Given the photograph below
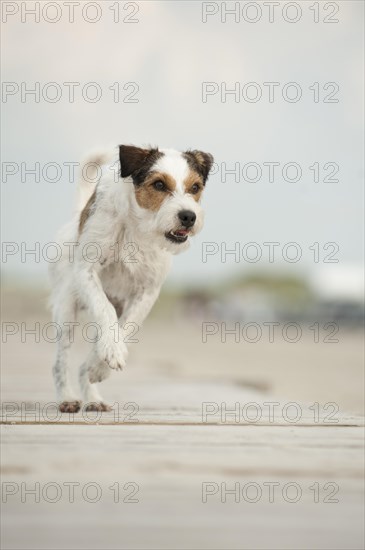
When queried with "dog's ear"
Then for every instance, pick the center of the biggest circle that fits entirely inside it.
(200, 161)
(131, 159)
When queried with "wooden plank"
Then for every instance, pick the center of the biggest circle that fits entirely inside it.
(194, 474)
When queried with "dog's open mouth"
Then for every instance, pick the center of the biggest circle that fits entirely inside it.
(178, 235)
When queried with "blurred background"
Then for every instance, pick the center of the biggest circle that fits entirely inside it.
(285, 171)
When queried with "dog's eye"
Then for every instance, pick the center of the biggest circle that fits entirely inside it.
(194, 189)
(159, 185)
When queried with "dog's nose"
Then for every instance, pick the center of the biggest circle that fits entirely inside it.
(187, 218)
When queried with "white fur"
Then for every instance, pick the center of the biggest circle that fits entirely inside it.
(174, 164)
(117, 225)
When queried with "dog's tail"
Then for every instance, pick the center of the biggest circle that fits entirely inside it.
(91, 171)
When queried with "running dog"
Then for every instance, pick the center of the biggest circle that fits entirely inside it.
(137, 207)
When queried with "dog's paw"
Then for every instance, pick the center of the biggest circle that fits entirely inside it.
(114, 355)
(70, 406)
(97, 406)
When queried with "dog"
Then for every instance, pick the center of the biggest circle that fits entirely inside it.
(137, 208)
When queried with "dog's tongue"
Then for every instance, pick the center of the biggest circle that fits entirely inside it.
(181, 232)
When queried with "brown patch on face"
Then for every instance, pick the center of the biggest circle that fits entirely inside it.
(86, 211)
(200, 162)
(189, 183)
(151, 198)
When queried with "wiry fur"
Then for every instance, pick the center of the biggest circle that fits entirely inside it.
(119, 276)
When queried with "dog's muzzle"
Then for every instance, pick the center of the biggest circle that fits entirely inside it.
(177, 235)
(187, 220)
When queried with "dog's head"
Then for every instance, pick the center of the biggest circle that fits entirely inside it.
(168, 186)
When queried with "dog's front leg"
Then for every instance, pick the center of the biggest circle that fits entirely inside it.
(110, 345)
(136, 311)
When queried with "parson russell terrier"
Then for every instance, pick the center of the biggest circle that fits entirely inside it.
(150, 204)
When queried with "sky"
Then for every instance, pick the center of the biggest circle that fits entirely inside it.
(293, 129)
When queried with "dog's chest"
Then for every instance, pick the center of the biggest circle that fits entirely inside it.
(133, 271)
